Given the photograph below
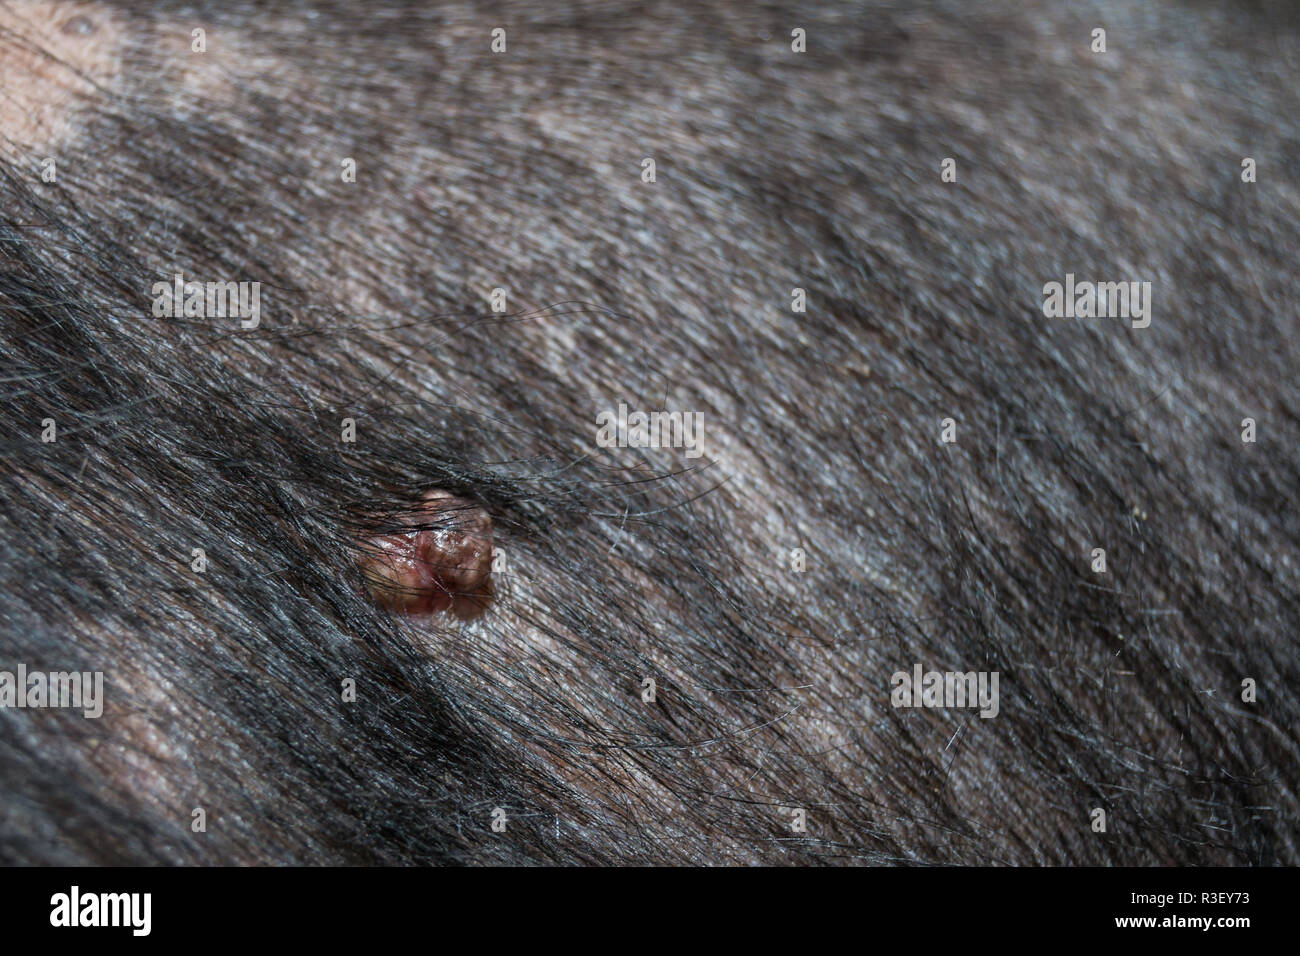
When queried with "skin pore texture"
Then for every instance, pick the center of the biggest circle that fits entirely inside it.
(827, 538)
(55, 58)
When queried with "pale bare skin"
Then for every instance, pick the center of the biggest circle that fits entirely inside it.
(52, 55)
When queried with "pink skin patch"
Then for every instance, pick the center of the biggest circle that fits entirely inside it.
(443, 563)
(56, 57)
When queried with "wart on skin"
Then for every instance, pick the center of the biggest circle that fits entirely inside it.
(443, 563)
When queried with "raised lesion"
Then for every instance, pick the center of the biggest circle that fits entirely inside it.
(434, 557)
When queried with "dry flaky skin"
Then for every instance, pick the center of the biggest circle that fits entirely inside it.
(522, 171)
(442, 566)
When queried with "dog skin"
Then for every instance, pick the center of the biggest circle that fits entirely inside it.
(366, 586)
